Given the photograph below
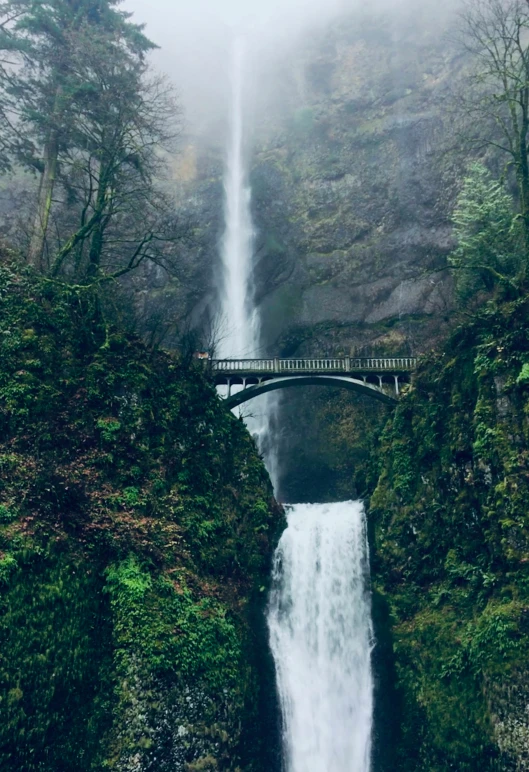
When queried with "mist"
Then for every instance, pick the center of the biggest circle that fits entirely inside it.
(194, 39)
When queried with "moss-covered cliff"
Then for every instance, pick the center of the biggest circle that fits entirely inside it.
(136, 527)
(451, 552)
(351, 192)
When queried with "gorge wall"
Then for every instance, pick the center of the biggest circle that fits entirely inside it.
(137, 526)
(352, 188)
(353, 175)
(450, 541)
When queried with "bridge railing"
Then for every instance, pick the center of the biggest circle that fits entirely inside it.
(312, 365)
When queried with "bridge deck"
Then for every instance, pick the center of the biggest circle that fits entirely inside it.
(313, 366)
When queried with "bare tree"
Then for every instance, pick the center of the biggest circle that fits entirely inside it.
(496, 34)
(118, 210)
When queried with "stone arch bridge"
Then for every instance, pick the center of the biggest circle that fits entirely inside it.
(376, 377)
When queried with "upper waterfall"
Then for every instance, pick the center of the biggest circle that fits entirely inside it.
(240, 329)
(239, 317)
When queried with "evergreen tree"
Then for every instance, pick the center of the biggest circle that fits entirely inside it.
(46, 90)
(489, 235)
(496, 34)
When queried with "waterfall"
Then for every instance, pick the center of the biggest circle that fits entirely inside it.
(240, 321)
(239, 318)
(321, 635)
(319, 611)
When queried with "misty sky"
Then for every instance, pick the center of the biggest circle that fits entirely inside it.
(166, 18)
(195, 36)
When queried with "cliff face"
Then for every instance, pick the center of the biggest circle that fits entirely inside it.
(351, 188)
(450, 539)
(136, 529)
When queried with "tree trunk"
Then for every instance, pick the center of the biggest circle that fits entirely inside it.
(45, 198)
(96, 242)
(523, 175)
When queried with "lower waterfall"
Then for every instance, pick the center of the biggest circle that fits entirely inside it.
(319, 620)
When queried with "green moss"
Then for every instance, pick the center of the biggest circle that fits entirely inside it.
(136, 528)
(55, 663)
(160, 622)
(451, 536)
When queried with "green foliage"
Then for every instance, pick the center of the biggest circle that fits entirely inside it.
(486, 642)
(8, 564)
(136, 524)
(92, 124)
(451, 538)
(523, 375)
(169, 631)
(7, 515)
(55, 683)
(488, 234)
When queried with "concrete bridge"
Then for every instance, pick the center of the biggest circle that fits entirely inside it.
(376, 377)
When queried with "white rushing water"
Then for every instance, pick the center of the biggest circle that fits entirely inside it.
(240, 324)
(319, 613)
(319, 620)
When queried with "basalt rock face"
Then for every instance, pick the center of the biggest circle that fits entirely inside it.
(351, 190)
(450, 543)
(351, 196)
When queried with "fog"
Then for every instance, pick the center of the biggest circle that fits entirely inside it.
(194, 37)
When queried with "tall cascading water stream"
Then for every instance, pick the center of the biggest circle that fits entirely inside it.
(239, 321)
(239, 334)
(319, 619)
(319, 611)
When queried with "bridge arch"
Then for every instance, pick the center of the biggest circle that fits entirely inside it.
(285, 382)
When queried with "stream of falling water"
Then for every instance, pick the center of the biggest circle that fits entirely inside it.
(240, 320)
(319, 620)
(319, 612)
(240, 323)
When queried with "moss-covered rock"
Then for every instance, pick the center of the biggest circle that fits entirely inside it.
(136, 528)
(451, 549)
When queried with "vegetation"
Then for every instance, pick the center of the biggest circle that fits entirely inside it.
(136, 518)
(451, 539)
(497, 95)
(490, 248)
(79, 109)
(136, 525)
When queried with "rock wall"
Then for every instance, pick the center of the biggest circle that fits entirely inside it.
(351, 192)
(352, 188)
(450, 539)
(353, 180)
(137, 525)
